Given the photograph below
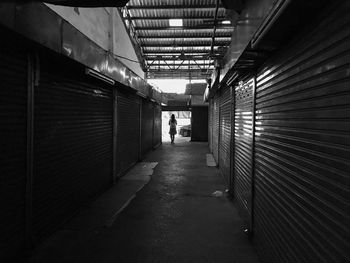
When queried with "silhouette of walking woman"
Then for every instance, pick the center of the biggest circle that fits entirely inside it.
(172, 124)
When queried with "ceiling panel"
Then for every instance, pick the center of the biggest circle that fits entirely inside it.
(191, 48)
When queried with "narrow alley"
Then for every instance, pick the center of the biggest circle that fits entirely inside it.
(174, 218)
(257, 93)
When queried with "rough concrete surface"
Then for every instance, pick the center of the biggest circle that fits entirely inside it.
(174, 218)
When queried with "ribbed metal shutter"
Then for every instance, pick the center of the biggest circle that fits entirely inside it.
(225, 133)
(243, 148)
(146, 127)
(302, 199)
(13, 132)
(199, 124)
(157, 130)
(210, 125)
(72, 142)
(216, 130)
(128, 134)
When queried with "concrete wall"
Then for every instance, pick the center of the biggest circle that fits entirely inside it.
(123, 46)
(105, 27)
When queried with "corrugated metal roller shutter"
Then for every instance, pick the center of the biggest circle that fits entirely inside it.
(157, 131)
(210, 125)
(72, 142)
(216, 130)
(147, 127)
(13, 132)
(225, 133)
(128, 134)
(243, 148)
(303, 147)
(199, 124)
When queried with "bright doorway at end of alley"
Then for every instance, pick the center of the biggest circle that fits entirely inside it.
(183, 119)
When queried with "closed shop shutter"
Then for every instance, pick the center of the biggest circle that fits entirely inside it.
(216, 116)
(72, 142)
(157, 131)
(210, 125)
(303, 147)
(147, 127)
(225, 133)
(13, 132)
(199, 124)
(128, 133)
(243, 148)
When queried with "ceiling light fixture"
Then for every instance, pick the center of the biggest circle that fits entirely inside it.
(226, 22)
(175, 22)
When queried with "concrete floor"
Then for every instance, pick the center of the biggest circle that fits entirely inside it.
(174, 218)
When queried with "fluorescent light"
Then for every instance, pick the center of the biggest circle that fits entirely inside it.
(175, 22)
(226, 22)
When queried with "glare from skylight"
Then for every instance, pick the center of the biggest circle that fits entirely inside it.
(175, 22)
(172, 85)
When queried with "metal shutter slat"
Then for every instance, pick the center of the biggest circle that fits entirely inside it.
(216, 128)
(303, 147)
(128, 134)
(225, 133)
(243, 148)
(13, 132)
(147, 127)
(157, 136)
(72, 143)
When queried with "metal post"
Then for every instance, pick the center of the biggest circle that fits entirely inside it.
(153, 129)
(232, 137)
(140, 131)
(115, 131)
(219, 135)
(31, 78)
(251, 227)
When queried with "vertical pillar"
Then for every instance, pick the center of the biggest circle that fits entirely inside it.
(161, 124)
(153, 128)
(140, 135)
(232, 137)
(115, 133)
(219, 135)
(32, 81)
(251, 227)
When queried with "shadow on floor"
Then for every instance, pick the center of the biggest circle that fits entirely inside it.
(174, 218)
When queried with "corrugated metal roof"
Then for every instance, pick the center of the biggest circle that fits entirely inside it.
(167, 49)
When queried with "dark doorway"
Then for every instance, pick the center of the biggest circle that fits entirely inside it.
(199, 123)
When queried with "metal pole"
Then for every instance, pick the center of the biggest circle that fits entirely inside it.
(115, 133)
(232, 137)
(140, 135)
(214, 30)
(251, 227)
(31, 74)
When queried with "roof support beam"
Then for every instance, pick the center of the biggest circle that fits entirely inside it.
(183, 37)
(140, 7)
(221, 18)
(162, 71)
(223, 44)
(181, 64)
(175, 52)
(201, 26)
(172, 57)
